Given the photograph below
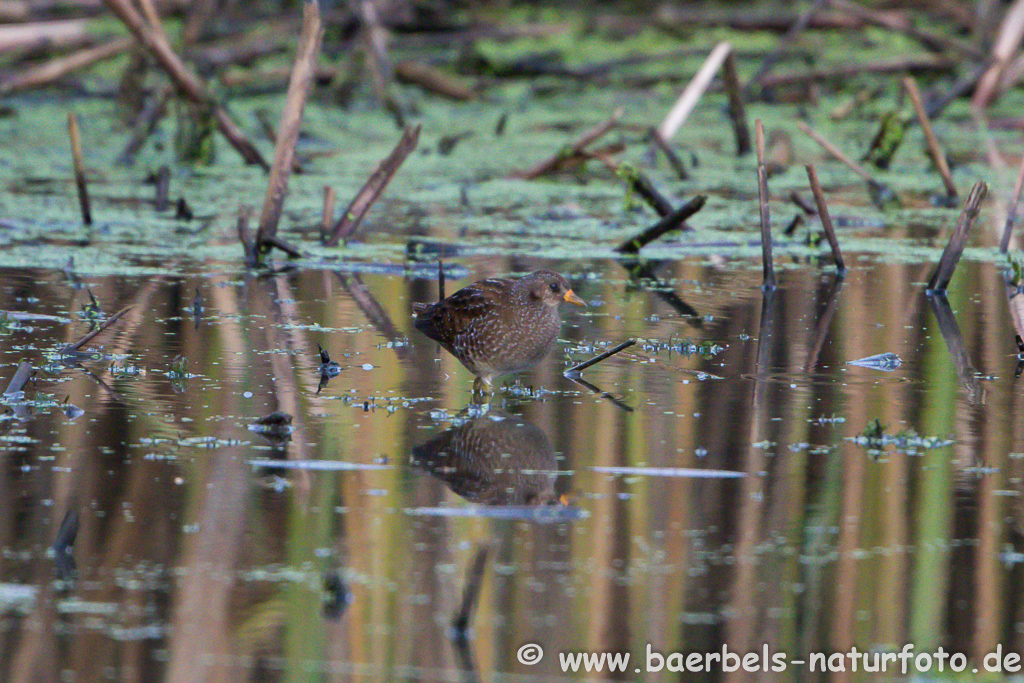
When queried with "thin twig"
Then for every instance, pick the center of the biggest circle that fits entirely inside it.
(836, 152)
(673, 159)
(576, 369)
(364, 199)
(939, 280)
(79, 164)
(1011, 211)
(939, 159)
(92, 335)
(673, 221)
(440, 280)
(291, 121)
(692, 92)
(826, 219)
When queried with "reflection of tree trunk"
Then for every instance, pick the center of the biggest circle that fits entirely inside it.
(201, 621)
(990, 585)
(286, 366)
(609, 631)
(746, 603)
(35, 658)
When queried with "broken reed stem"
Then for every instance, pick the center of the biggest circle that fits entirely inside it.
(291, 121)
(327, 214)
(759, 141)
(600, 357)
(910, 85)
(1011, 210)
(375, 184)
(191, 86)
(939, 280)
(92, 335)
(737, 111)
(55, 69)
(670, 222)
(79, 164)
(826, 218)
(673, 159)
(692, 92)
(837, 153)
(768, 265)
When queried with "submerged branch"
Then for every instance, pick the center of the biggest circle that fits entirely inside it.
(69, 348)
(576, 369)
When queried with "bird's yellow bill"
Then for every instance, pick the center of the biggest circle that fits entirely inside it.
(572, 298)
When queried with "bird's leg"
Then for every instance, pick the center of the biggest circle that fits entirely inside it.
(480, 389)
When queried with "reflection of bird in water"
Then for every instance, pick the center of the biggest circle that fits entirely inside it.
(499, 326)
(494, 460)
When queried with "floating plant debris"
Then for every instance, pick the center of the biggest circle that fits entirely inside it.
(322, 465)
(526, 513)
(671, 472)
(886, 362)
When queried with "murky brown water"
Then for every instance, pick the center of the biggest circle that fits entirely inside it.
(207, 551)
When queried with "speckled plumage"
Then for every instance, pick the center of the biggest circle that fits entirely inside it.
(499, 326)
(497, 459)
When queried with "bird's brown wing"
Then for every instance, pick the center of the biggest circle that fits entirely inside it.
(452, 317)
